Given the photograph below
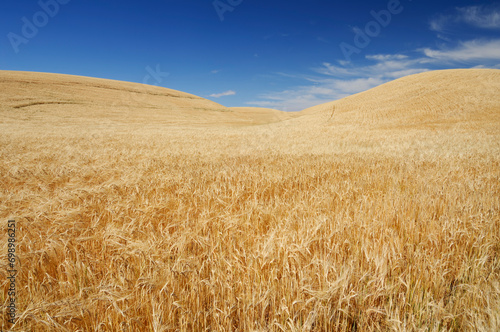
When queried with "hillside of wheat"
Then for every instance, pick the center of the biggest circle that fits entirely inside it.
(169, 212)
(58, 100)
(437, 98)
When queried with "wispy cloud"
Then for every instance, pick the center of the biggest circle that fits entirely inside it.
(386, 57)
(440, 23)
(481, 16)
(223, 94)
(323, 40)
(487, 67)
(468, 51)
(385, 65)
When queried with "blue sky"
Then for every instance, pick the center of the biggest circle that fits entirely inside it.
(287, 55)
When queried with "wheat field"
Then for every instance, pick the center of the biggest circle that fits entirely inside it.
(378, 212)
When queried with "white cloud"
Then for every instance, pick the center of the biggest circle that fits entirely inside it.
(468, 51)
(443, 37)
(385, 57)
(332, 70)
(487, 67)
(356, 85)
(484, 17)
(223, 94)
(386, 65)
(327, 90)
(481, 16)
(440, 23)
(215, 71)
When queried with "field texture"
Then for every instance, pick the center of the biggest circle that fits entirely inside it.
(344, 217)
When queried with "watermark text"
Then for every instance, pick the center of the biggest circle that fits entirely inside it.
(221, 7)
(30, 28)
(372, 29)
(11, 271)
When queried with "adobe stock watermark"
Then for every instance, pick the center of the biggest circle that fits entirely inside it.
(153, 77)
(222, 7)
(11, 272)
(363, 37)
(30, 28)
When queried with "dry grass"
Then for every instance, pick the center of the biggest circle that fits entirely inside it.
(437, 99)
(301, 225)
(259, 115)
(56, 100)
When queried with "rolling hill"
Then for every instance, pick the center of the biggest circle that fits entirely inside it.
(57, 99)
(438, 98)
